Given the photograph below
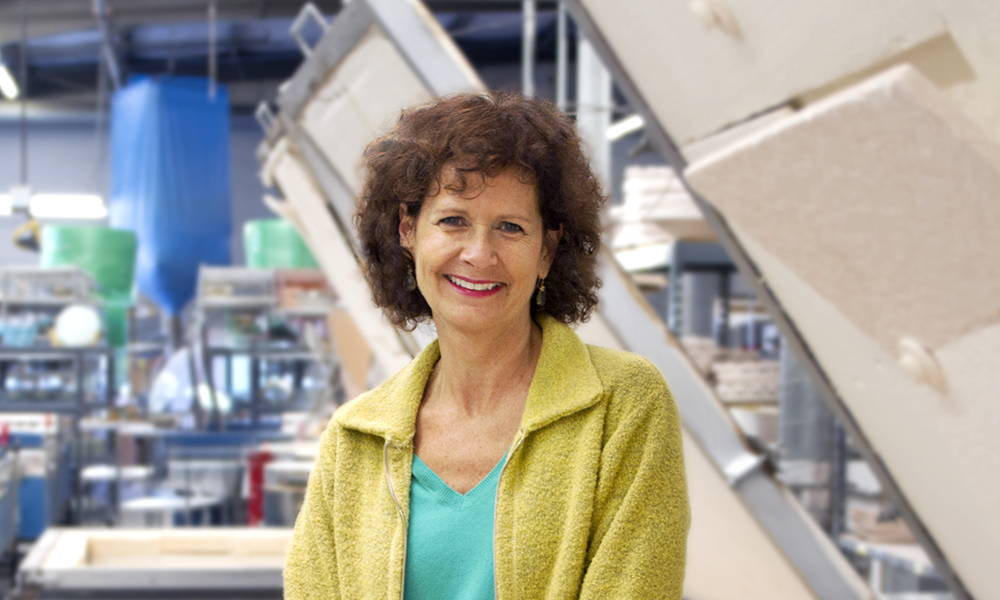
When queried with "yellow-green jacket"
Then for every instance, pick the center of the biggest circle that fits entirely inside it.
(591, 504)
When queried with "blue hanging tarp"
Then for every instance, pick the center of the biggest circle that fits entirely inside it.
(170, 181)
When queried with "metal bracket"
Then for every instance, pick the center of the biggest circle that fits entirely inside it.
(264, 116)
(308, 11)
(742, 467)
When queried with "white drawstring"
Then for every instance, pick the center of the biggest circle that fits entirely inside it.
(399, 508)
(388, 479)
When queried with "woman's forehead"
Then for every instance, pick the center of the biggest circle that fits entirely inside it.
(462, 174)
(506, 191)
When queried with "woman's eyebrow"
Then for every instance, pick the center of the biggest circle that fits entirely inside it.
(450, 207)
(514, 217)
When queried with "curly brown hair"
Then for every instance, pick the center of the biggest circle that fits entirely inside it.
(481, 134)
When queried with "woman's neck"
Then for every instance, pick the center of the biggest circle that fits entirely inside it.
(478, 373)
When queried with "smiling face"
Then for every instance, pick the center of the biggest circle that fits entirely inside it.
(478, 254)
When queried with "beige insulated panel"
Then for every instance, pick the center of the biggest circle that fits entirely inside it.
(873, 216)
(974, 25)
(359, 100)
(705, 64)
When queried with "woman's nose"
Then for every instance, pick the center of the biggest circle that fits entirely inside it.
(478, 248)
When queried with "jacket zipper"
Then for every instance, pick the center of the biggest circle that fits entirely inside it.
(496, 500)
(399, 509)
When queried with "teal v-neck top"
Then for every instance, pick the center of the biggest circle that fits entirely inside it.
(449, 548)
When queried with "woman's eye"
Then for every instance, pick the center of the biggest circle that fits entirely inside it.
(451, 221)
(508, 227)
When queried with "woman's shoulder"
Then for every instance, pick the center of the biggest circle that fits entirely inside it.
(624, 370)
(358, 404)
(388, 410)
(361, 413)
(632, 385)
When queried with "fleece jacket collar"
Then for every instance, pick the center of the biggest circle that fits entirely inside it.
(565, 382)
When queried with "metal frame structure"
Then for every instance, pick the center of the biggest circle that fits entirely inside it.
(622, 309)
(438, 71)
(664, 143)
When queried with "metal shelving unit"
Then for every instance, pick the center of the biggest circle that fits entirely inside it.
(41, 361)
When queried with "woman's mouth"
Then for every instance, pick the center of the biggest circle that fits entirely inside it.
(474, 288)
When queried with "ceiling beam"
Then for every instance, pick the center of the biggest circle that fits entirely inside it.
(57, 16)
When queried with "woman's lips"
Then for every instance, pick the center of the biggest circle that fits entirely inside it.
(470, 292)
(470, 280)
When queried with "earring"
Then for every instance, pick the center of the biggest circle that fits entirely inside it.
(411, 281)
(540, 296)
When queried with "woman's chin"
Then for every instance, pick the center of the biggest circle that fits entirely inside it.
(476, 320)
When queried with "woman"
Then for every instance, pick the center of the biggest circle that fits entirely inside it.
(509, 459)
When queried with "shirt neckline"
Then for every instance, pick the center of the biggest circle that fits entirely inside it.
(426, 476)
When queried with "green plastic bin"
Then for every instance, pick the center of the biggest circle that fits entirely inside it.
(275, 244)
(108, 255)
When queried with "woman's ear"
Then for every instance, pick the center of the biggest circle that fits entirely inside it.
(407, 227)
(549, 244)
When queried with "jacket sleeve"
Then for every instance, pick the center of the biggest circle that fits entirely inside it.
(311, 563)
(641, 514)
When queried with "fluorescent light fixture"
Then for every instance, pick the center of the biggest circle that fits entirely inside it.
(67, 206)
(16, 200)
(620, 129)
(20, 195)
(7, 84)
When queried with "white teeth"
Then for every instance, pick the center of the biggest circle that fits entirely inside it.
(479, 287)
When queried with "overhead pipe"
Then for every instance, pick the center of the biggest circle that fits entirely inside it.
(212, 58)
(103, 14)
(528, 48)
(562, 58)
